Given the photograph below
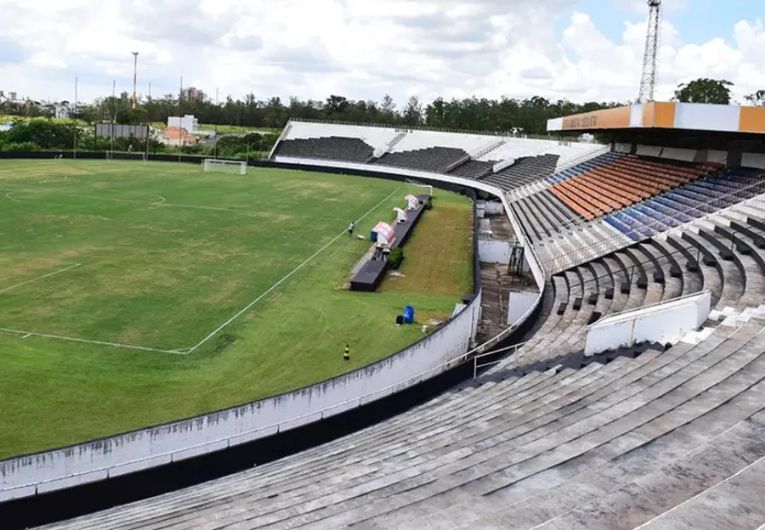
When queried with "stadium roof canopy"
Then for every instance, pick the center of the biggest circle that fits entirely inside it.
(671, 123)
(667, 115)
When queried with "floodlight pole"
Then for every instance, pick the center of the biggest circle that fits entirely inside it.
(114, 112)
(135, 77)
(648, 78)
(76, 129)
(181, 139)
(215, 145)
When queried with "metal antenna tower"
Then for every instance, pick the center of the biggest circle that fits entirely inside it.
(648, 80)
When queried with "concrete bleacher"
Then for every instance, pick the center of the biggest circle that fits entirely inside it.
(548, 437)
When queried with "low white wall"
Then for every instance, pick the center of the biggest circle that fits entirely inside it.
(648, 150)
(492, 251)
(663, 323)
(685, 155)
(518, 305)
(493, 208)
(720, 157)
(755, 160)
(142, 449)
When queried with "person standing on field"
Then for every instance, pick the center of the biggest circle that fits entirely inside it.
(351, 226)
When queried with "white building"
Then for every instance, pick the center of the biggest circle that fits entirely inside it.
(188, 122)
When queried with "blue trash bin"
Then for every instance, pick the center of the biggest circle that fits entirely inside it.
(373, 236)
(409, 315)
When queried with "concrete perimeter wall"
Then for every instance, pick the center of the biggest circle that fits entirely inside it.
(146, 448)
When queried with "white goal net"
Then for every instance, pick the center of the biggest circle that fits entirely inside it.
(216, 164)
(126, 155)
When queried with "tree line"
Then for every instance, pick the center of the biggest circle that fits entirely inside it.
(526, 116)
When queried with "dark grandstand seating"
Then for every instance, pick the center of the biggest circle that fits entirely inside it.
(330, 148)
(547, 437)
(623, 181)
(433, 159)
(542, 214)
(473, 169)
(523, 172)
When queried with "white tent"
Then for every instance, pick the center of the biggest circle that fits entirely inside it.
(385, 233)
(413, 202)
(400, 215)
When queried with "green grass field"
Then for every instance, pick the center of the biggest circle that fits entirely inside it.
(133, 294)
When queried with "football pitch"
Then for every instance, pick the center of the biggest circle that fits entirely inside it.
(137, 293)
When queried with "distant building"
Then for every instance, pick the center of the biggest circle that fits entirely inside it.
(191, 94)
(178, 136)
(63, 109)
(187, 122)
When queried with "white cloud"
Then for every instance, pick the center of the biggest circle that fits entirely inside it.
(359, 48)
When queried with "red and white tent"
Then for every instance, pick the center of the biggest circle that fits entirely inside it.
(400, 215)
(385, 233)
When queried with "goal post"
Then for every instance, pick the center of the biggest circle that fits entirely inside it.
(419, 184)
(126, 155)
(217, 164)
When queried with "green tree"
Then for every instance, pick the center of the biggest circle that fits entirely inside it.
(757, 99)
(413, 111)
(704, 90)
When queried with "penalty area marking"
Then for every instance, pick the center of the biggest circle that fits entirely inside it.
(26, 334)
(286, 277)
(49, 275)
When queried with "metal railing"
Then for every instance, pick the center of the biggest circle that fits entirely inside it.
(477, 365)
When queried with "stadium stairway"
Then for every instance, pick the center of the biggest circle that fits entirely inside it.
(547, 437)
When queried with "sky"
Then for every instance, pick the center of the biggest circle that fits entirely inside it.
(581, 50)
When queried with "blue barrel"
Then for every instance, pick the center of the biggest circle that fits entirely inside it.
(408, 315)
(373, 236)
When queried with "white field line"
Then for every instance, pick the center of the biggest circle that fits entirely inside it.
(50, 274)
(183, 351)
(161, 201)
(11, 197)
(26, 334)
(286, 277)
